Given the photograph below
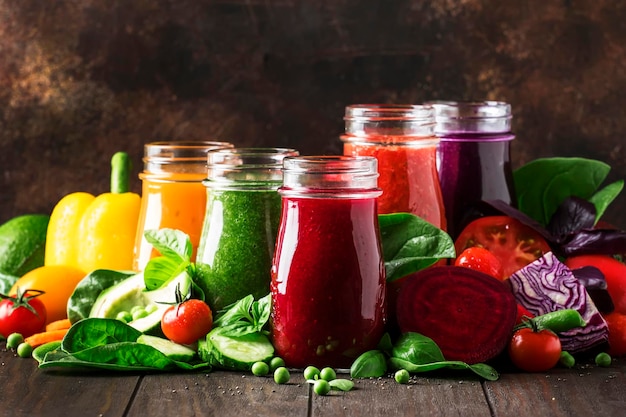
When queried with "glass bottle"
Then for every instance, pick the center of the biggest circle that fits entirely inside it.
(172, 192)
(402, 138)
(328, 277)
(241, 222)
(473, 156)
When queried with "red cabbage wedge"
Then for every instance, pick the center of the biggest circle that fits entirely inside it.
(547, 285)
(470, 315)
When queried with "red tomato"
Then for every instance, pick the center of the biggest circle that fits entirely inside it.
(521, 313)
(614, 272)
(617, 333)
(513, 243)
(480, 259)
(187, 322)
(533, 351)
(22, 313)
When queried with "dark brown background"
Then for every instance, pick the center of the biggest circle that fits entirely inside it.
(82, 79)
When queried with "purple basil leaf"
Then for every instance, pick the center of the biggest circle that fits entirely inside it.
(594, 282)
(590, 277)
(573, 214)
(594, 241)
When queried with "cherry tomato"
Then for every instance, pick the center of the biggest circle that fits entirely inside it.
(187, 322)
(534, 351)
(22, 313)
(480, 259)
(614, 272)
(617, 333)
(513, 243)
(522, 312)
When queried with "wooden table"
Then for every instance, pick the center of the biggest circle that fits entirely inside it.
(27, 391)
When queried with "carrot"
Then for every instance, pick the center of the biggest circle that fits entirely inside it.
(44, 337)
(58, 325)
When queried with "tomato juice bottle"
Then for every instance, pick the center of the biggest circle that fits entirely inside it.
(172, 192)
(242, 214)
(473, 157)
(328, 277)
(402, 139)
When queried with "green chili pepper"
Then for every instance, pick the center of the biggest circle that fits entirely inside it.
(557, 321)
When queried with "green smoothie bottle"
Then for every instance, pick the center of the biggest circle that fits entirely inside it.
(242, 214)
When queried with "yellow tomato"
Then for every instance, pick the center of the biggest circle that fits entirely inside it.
(57, 282)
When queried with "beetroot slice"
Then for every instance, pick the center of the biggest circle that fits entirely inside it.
(470, 315)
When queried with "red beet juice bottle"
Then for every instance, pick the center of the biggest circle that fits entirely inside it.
(328, 276)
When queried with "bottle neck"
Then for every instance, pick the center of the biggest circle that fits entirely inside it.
(460, 119)
(330, 177)
(396, 122)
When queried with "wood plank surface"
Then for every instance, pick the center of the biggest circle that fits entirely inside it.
(221, 394)
(587, 390)
(29, 392)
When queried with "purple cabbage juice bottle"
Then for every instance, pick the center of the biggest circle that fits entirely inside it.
(473, 157)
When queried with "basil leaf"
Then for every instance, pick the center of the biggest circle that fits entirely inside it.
(417, 349)
(370, 364)
(171, 243)
(410, 244)
(543, 184)
(161, 270)
(341, 384)
(605, 196)
(483, 370)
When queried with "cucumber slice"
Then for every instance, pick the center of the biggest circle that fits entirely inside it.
(236, 352)
(170, 349)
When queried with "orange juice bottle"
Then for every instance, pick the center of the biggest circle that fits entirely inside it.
(173, 195)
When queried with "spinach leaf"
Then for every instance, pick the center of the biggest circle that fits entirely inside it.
(410, 244)
(88, 289)
(605, 196)
(418, 353)
(93, 332)
(6, 282)
(543, 184)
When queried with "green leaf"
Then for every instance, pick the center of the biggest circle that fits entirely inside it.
(244, 316)
(171, 243)
(6, 282)
(161, 270)
(605, 196)
(483, 370)
(88, 289)
(417, 349)
(410, 244)
(92, 332)
(543, 184)
(385, 344)
(341, 384)
(370, 364)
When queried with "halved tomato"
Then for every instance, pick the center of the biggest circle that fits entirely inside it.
(513, 243)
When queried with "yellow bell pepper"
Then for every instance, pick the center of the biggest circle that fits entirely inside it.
(89, 232)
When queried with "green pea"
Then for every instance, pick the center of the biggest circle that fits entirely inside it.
(14, 340)
(567, 359)
(311, 372)
(124, 316)
(328, 374)
(402, 376)
(321, 387)
(260, 369)
(24, 350)
(138, 314)
(603, 359)
(151, 308)
(281, 375)
(276, 363)
(134, 309)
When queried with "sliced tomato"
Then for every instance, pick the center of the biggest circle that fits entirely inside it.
(614, 273)
(513, 243)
